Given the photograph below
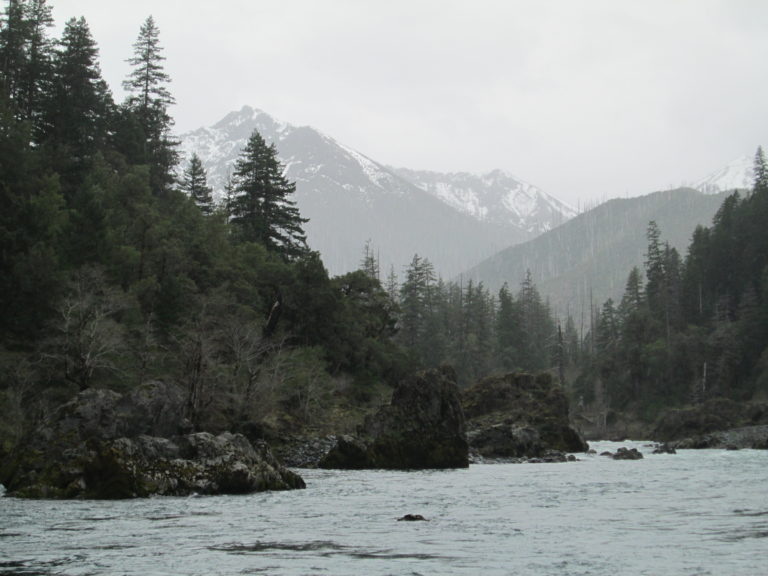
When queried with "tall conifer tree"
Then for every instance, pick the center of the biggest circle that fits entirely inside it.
(149, 101)
(262, 208)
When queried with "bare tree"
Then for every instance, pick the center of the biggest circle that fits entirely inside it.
(89, 338)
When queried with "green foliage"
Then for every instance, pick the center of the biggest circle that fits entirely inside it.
(262, 209)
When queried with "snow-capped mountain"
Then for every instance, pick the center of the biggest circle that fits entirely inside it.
(350, 199)
(497, 197)
(738, 174)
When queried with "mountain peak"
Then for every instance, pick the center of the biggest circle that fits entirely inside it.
(738, 174)
(497, 197)
(350, 198)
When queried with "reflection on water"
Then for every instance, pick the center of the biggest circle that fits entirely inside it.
(697, 512)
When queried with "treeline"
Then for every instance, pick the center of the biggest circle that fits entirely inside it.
(693, 328)
(117, 266)
(463, 324)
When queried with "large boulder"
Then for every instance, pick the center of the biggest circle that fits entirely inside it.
(519, 415)
(105, 445)
(422, 427)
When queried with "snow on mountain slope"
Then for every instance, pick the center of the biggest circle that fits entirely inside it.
(497, 197)
(736, 175)
(350, 199)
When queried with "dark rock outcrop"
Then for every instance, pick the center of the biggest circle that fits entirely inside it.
(755, 437)
(627, 454)
(421, 427)
(714, 415)
(519, 416)
(104, 445)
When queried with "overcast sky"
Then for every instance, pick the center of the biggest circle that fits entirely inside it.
(585, 99)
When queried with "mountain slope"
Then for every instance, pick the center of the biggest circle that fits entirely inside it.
(350, 199)
(496, 197)
(593, 253)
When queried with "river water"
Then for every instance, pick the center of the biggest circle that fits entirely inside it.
(696, 512)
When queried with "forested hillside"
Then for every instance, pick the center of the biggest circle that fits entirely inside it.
(117, 268)
(586, 259)
(689, 328)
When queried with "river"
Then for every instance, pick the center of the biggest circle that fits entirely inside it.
(693, 513)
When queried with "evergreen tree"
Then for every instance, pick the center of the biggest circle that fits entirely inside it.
(25, 56)
(370, 263)
(262, 209)
(195, 184)
(760, 171)
(79, 105)
(39, 52)
(416, 304)
(149, 101)
(507, 330)
(13, 38)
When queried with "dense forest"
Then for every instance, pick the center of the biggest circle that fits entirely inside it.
(689, 328)
(118, 266)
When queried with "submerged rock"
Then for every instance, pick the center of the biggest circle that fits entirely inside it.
(422, 427)
(519, 416)
(104, 445)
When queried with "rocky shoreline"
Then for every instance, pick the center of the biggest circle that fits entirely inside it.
(105, 445)
(102, 444)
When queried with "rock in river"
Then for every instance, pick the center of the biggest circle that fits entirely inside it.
(105, 445)
(421, 427)
(519, 415)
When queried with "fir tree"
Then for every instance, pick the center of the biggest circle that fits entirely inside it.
(25, 56)
(195, 185)
(262, 209)
(79, 105)
(149, 101)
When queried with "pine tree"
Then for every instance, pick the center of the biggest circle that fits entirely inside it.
(262, 209)
(39, 52)
(195, 184)
(25, 56)
(79, 104)
(149, 101)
